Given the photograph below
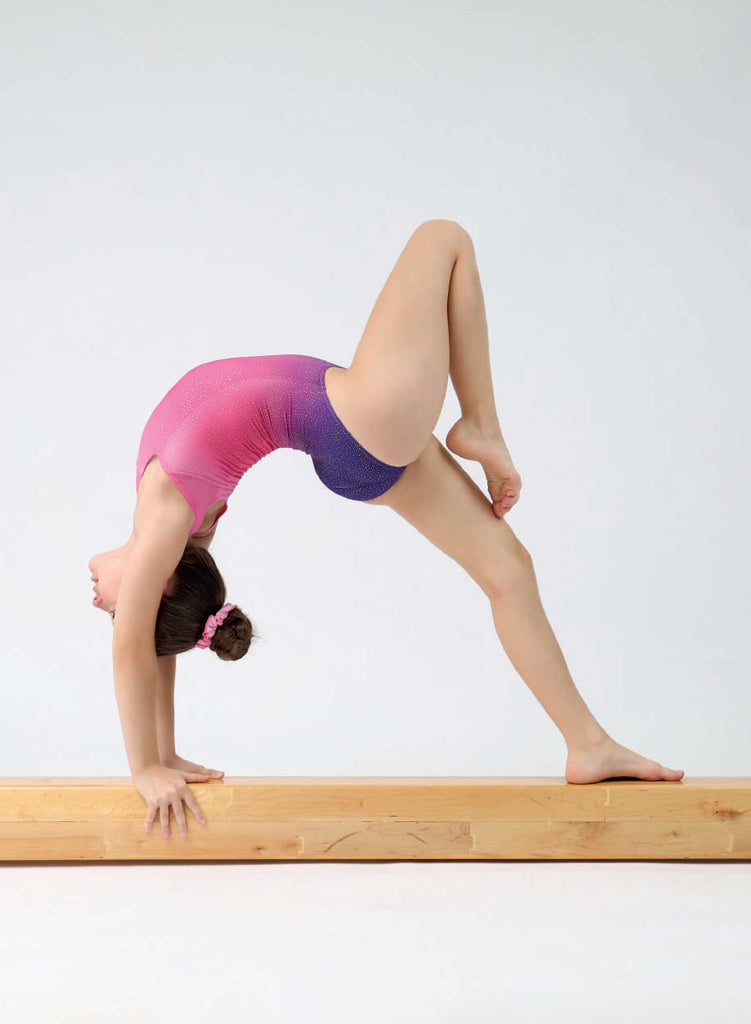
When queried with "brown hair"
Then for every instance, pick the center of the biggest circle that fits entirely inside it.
(197, 590)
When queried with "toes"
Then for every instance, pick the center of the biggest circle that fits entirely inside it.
(503, 499)
(502, 506)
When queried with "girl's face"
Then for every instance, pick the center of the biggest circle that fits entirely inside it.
(106, 573)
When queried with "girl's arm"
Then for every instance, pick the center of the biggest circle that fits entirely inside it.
(165, 707)
(165, 721)
(135, 688)
(165, 691)
(159, 544)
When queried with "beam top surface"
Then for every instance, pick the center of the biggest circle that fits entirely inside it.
(739, 781)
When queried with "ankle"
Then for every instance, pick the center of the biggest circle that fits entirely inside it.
(486, 427)
(589, 739)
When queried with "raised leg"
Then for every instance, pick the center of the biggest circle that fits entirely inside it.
(391, 395)
(477, 434)
(469, 354)
(427, 323)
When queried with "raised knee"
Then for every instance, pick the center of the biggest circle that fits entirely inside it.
(446, 227)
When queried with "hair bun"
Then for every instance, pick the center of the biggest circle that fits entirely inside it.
(233, 637)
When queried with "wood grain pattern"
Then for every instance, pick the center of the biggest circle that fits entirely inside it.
(56, 818)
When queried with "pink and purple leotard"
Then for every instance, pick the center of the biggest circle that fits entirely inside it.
(221, 417)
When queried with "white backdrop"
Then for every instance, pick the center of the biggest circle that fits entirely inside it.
(190, 181)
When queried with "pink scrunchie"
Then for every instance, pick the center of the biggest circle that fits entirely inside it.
(212, 624)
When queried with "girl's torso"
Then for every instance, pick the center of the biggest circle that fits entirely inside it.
(221, 418)
(154, 476)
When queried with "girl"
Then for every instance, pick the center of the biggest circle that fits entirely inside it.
(368, 429)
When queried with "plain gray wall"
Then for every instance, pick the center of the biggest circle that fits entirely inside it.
(190, 181)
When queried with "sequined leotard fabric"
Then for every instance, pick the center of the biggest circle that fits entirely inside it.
(221, 417)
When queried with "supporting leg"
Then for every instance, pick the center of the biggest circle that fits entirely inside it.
(528, 639)
(533, 650)
(439, 498)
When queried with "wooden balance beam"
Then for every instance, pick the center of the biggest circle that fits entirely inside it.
(382, 818)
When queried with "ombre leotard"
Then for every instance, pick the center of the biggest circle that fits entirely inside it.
(221, 417)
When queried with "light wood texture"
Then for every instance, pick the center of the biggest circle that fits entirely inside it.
(382, 818)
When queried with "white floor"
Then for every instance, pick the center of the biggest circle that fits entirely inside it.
(393, 943)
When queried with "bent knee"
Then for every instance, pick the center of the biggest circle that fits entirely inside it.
(450, 228)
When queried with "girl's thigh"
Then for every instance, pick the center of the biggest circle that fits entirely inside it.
(441, 500)
(391, 395)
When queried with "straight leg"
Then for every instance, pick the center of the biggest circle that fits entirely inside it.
(528, 640)
(439, 498)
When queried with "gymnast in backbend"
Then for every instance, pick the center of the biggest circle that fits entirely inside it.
(368, 429)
